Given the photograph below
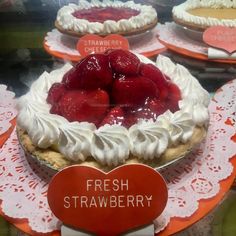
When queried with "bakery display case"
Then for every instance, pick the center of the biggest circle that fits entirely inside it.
(105, 90)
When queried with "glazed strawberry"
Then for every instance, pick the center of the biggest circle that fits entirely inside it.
(91, 73)
(82, 105)
(150, 110)
(114, 117)
(157, 107)
(143, 112)
(55, 92)
(55, 109)
(70, 79)
(174, 95)
(152, 72)
(130, 119)
(133, 91)
(124, 62)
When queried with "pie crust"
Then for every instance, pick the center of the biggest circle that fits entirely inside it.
(131, 32)
(56, 161)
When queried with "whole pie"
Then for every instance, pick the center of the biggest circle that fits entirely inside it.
(202, 14)
(107, 17)
(111, 109)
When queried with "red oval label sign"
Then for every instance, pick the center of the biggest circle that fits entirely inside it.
(92, 43)
(221, 37)
(107, 203)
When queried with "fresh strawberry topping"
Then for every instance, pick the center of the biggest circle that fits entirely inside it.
(101, 14)
(133, 91)
(70, 79)
(153, 73)
(91, 73)
(124, 62)
(130, 119)
(114, 117)
(150, 110)
(174, 95)
(157, 107)
(55, 109)
(140, 113)
(83, 105)
(55, 93)
(113, 88)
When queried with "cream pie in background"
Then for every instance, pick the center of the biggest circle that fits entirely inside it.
(201, 14)
(105, 17)
(111, 109)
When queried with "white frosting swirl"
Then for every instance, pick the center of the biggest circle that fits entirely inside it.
(75, 139)
(191, 88)
(198, 111)
(147, 15)
(181, 12)
(41, 127)
(112, 144)
(148, 139)
(179, 125)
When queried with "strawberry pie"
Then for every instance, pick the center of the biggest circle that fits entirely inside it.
(111, 109)
(107, 17)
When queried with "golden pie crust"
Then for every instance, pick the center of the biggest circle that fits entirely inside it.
(217, 13)
(56, 161)
(123, 33)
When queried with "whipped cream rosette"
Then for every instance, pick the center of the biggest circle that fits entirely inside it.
(153, 125)
(105, 17)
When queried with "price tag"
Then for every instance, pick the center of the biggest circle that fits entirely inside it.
(111, 203)
(92, 43)
(221, 37)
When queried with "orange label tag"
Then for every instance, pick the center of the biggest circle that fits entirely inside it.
(221, 37)
(107, 203)
(92, 43)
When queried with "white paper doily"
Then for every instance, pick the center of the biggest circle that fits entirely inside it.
(7, 111)
(172, 34)
(66, 44)
(23, 192)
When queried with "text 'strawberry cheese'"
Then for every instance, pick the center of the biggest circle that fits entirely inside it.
(105, 17)
(111, 109)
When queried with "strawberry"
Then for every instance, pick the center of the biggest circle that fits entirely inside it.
(157, 107)
(168, 91)
(70, 79)
(90, 73)
(174, 95)
(82, 105)
(150, 110)
(124, 62)
(55, 92)
(55, 109)
(133, 91)
(114, 117)
(142, 113)
(118, 76)
(153, 73)
(130, 119)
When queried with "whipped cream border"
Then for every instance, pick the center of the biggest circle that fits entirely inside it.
(181, 13)
(112, 144)
(67, 21)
